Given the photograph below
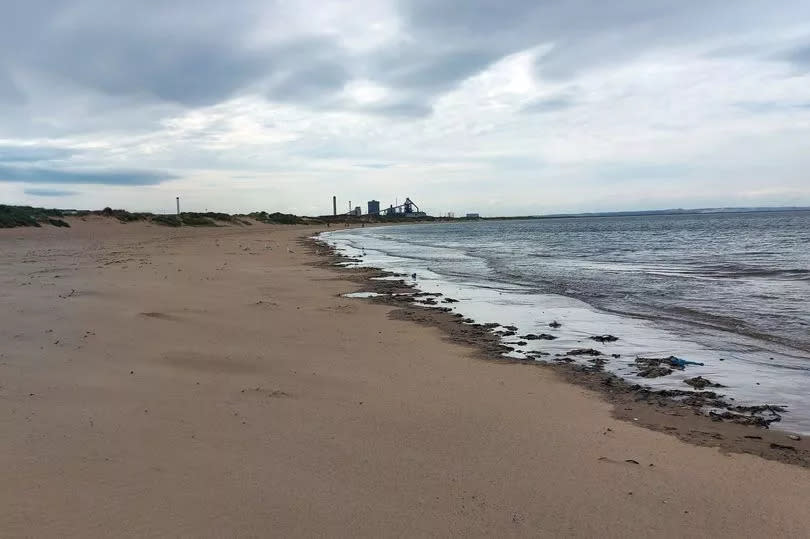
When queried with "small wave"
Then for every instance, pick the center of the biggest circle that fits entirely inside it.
(732, 271)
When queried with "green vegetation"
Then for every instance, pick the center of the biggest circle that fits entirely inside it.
(14, 216)
(277, 218)
(196, 219)
(123, 215)
(167, 220)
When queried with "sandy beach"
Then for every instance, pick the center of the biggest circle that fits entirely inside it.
(213, 382)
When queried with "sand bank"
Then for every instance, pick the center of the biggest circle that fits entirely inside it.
(214, 382)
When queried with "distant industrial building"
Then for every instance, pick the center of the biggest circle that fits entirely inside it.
(473, 216)
(406, 209)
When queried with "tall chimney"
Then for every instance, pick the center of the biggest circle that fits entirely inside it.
(334, 205)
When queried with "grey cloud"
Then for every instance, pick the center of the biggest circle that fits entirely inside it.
(403, 109)
(589, 33)
(51, 175)
(420, 74)
(428, 69)
(24, 154)
(9, 93)
(192, 73)
(49, 192)
(800, 56)
(550, 104)
(193, 52)
(313, 82)
(127, 64)
(187, 52)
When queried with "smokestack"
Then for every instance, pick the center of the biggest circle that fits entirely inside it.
(334, 205)
(178, 205)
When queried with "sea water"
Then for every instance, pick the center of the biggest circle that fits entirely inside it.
(728, 290)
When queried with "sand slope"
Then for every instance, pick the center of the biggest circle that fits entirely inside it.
(209, 382)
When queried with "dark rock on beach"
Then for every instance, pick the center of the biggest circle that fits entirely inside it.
(542, 336)
(698, 382)
(654, 372)
(598, 363)
(564, 359)
(604, 338)
(652, 367)
(584, 352)
(742, 419)
(762, 408)
(554, 324)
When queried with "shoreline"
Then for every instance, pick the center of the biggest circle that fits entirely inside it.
(653, 409)
(216, 382)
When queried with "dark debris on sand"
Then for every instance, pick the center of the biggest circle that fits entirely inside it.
(535, 337)
(604, 338)
(584, 352)
(653, 367)
(698, 382)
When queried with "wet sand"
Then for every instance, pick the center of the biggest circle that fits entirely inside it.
(213, 382)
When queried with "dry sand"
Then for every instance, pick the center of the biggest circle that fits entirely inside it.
(211, 383)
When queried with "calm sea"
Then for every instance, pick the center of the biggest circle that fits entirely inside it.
(728, 286)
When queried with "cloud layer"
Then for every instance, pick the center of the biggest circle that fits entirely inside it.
(464, 105)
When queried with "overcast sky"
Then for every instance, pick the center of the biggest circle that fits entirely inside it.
(499, 107)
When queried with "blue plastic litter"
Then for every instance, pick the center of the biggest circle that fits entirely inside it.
(683, 362)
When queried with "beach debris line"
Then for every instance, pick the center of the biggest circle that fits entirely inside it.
(584, 352)
(535, 337)
(652, 367)
(604, 338)
(698, 382)
(760, 415)
(654, 372)
(592, 363)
